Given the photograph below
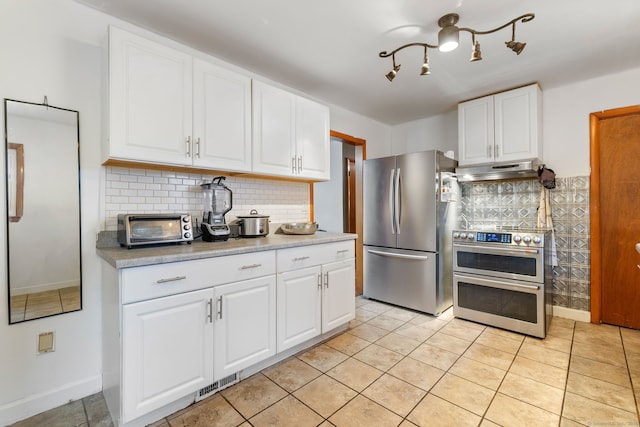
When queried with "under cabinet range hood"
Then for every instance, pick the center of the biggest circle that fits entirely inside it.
(499, 171)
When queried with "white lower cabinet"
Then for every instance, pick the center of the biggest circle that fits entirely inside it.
(167, 348)
(338, 294)
(244, 325)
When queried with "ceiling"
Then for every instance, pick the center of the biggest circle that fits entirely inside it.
(329, 48)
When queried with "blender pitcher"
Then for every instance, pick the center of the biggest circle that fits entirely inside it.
(217, 200)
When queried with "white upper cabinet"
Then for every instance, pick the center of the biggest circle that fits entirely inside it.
(169, 107)
(290, 134)
(500, 128)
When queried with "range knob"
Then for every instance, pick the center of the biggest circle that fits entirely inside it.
(463, 235)
(537, 239)
(186, 227)
(456, 234)
(517, 239)
(471, 236)
(526, 239)
(185, 219)
(187, 235)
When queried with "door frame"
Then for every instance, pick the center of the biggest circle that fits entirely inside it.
(360, 155)
(594, 204)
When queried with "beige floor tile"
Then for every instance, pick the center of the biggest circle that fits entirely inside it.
(506, 334)
(563, 322)
(598, 334)
(599, 353)
(432, 323)
(545, 355)
(486, 423)
(160, 423)
(461, 331)
(347, 343)
(362, 412)
(507, 411)
(70, 298)
(214, 411)
(490, 356)
(288, 412)
(448, 342)
(533, 392)
(499, 342)
(69, 414)
(253, 394)
(559, 331)
(18, 308)
(436, 412)
(464, 393)
(417, 332)
(551, 342)
(364, 315)
(601, 391)
(633, 362)
(434, 356)
(592, 413)
(479, 373)
(368, 332)
(355, 374)
(325, 395)
(42, 304)
(468, 324)
(566, 422)
(401, 314)
(376, 307)
(291, 374)
(378, 357)
(394, 394)
(417, 373)
(322, 357)
(631, 339)
(447, 315)
(406, 423)
(546, 374)
(602, 371)
(384, 321)
(398, 343)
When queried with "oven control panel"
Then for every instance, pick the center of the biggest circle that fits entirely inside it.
(495, 237)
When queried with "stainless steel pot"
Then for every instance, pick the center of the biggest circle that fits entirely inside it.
(253, 225)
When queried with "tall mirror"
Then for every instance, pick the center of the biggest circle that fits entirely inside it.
(43, 210)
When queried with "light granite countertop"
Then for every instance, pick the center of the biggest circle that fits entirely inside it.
(123, 258)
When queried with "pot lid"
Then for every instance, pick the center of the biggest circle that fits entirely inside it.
(253, 214)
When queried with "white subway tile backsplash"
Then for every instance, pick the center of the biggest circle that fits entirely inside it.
(151, 191)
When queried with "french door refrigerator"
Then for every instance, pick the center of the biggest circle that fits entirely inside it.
(409, 212)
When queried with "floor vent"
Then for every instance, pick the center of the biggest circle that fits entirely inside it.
(207, 391)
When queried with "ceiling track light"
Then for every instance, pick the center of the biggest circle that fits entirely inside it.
(449, 39)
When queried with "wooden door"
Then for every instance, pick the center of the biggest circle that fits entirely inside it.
(615, 211)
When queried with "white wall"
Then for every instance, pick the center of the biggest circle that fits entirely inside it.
(438, 132)
(377, 135)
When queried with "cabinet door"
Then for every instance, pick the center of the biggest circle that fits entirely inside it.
(475, 131)
(221, 118)
(339, 294)
(516, 124)
(244, 324)
(273, 130)
(150, 111)
(167, 350)
(312, 139)
(299, 306)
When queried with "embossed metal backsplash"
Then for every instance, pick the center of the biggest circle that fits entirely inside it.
(515, 204)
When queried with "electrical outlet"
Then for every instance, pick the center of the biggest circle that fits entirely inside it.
(46, 342)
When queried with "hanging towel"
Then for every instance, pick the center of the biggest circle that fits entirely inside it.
(546, 222)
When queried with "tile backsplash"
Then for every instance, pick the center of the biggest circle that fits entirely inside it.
(515, 204)
(130, 190)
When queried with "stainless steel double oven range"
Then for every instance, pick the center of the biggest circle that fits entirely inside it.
(503, 279)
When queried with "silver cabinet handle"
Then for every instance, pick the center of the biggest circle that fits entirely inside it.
(210, 310)
(188, 142)
(171, 279)
(293, 165)
(220, 307)
(299, 164)
(343, 251)
(302, 258)
(326, 279)
(319, 281)
(497, 151)
(248, 267)
(198, 147)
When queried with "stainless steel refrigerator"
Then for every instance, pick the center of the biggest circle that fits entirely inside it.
(409, 214)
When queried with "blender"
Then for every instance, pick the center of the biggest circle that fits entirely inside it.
(216, 202)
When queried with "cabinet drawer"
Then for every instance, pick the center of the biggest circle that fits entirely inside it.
(307, 256)
(154, 281)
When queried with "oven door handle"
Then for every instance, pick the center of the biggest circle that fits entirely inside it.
(493, 283)
(394, 255)
(486, 249)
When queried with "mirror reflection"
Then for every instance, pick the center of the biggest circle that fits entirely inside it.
(43, 210)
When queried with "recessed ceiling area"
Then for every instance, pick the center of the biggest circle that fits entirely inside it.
(329, 49)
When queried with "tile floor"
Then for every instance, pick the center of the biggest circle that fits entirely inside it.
(46, 303)
(395, 367)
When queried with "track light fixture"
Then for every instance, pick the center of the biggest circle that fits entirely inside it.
(449, 38)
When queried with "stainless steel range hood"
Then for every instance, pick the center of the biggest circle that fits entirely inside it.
(499, 171)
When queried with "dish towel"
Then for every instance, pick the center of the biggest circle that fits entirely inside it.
(545, 221)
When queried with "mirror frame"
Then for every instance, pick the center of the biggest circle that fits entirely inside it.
(20, 198)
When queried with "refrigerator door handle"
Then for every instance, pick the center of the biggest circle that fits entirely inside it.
(391, 205)
(398, 201)
(394, 255)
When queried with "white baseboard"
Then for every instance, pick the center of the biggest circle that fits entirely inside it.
(573, 314)
(32, 405)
